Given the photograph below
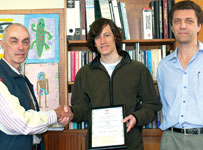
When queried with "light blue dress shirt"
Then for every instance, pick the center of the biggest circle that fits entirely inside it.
(181, 91)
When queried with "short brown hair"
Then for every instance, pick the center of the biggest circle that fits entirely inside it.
(187, 5)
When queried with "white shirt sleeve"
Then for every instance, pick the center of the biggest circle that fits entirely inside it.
(15, 120)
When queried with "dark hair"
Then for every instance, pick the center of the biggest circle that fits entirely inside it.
(96, 28)
(187, 5)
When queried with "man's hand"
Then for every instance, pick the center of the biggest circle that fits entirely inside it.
(130, 122)
(64, 114)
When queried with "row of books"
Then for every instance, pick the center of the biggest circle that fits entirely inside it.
(155, 123)
(76, 125)
(82, 13)
(77, 59)
(155, 20)
(151, 59)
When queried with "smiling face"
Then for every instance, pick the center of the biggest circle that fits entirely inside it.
(185, 26)
(16, 44)
(105, 42)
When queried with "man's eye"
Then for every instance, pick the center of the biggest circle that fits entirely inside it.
(14, 42)
(190, 21)
(26, 43)
(97, 37)
(176, 21)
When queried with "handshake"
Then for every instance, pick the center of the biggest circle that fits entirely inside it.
(64, 114)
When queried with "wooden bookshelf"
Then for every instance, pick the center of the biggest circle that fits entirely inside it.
(75, 139)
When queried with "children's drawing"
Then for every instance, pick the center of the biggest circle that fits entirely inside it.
(42, 88)
(40, 40)
(44, 36)
(45, 80)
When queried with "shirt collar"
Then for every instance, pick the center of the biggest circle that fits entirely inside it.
(14, 69)
(174, 55)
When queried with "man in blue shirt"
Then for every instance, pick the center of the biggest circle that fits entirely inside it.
(180, 82)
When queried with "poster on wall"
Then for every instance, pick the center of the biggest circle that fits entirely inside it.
(45, 79)
(44, 36)
(6, 20)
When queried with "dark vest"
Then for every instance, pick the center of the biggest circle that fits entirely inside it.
(16, 85)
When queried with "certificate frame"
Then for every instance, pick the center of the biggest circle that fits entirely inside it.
(107, 130)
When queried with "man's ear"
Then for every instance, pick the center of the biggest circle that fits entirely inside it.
(199, 27)
(2, 43)
(172, 28)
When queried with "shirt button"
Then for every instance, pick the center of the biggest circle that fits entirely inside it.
(184, 87)
(183, 101)
(185, 72)
(182, 115)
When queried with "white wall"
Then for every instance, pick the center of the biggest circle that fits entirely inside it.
(31, 4)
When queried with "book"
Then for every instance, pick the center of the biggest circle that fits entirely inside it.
(149, 61)
(151, 5)
(123, 13)
(90, 13)
(155, 59)
(111, 10)
(156, 19)
(70, 16)
(97, 10)
(105, 9)
(137, 51)
(116, 13)
(170, 4)
(73, 65)
(56, 127)
(147, 23)
(163, 49)
(83, 20)
(77, 34)
(165, 19)
(69, 65)
(160, 19)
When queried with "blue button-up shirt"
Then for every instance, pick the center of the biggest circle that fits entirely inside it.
(181, 91)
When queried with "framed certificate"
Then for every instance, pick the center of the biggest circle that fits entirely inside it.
(106, 128)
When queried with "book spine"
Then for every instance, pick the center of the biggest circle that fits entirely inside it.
(151, 4)
(121, 19)
(125, 21)
(90, 13)
(147, 23)
(149, 61)
(72, 65)
(105, 10)
(165, 18)
(82, 19)
(69, 65)
(170, 4)
(156, 19)
(71, 16)
(160, 20)
(116, 13)
(77, 35)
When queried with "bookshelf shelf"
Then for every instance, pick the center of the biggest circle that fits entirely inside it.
(130, 44)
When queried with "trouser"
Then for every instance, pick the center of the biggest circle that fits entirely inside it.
(171, 140)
